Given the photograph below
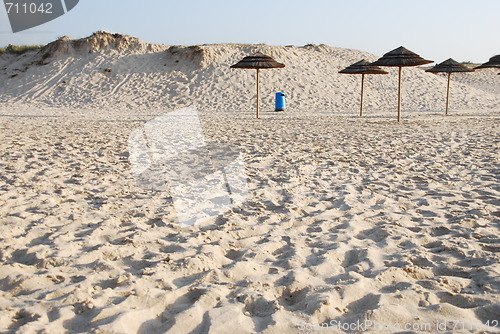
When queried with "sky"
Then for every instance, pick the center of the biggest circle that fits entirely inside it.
(464, 30)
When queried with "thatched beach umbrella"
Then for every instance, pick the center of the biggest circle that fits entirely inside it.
(449, 66)
(258, 61)
(362, 67)
(494, 62)
(398, 58)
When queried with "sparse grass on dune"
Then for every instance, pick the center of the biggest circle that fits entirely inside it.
(19, 49)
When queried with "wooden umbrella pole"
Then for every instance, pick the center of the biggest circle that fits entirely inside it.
(399, 95)
(257, 93)
(448, 92)
(362, 89)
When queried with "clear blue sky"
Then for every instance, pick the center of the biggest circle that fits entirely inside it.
(435, 29)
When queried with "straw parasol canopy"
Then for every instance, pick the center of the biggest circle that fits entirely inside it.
(494, 62)
(362, 67)
(449, 66)
(258, 61)
(400, 57)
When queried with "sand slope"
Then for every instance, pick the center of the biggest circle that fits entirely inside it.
(113, 71)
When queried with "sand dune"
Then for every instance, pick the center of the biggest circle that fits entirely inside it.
(349, 224)
(114, 71)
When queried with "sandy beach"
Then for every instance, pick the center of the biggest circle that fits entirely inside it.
(348, 224)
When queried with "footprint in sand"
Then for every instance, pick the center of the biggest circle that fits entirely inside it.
(260, 306)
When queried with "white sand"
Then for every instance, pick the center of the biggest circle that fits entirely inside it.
(347, 219)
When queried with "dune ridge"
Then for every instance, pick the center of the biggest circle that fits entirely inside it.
(116, 71)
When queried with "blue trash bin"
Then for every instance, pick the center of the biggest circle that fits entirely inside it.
(280, 101)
